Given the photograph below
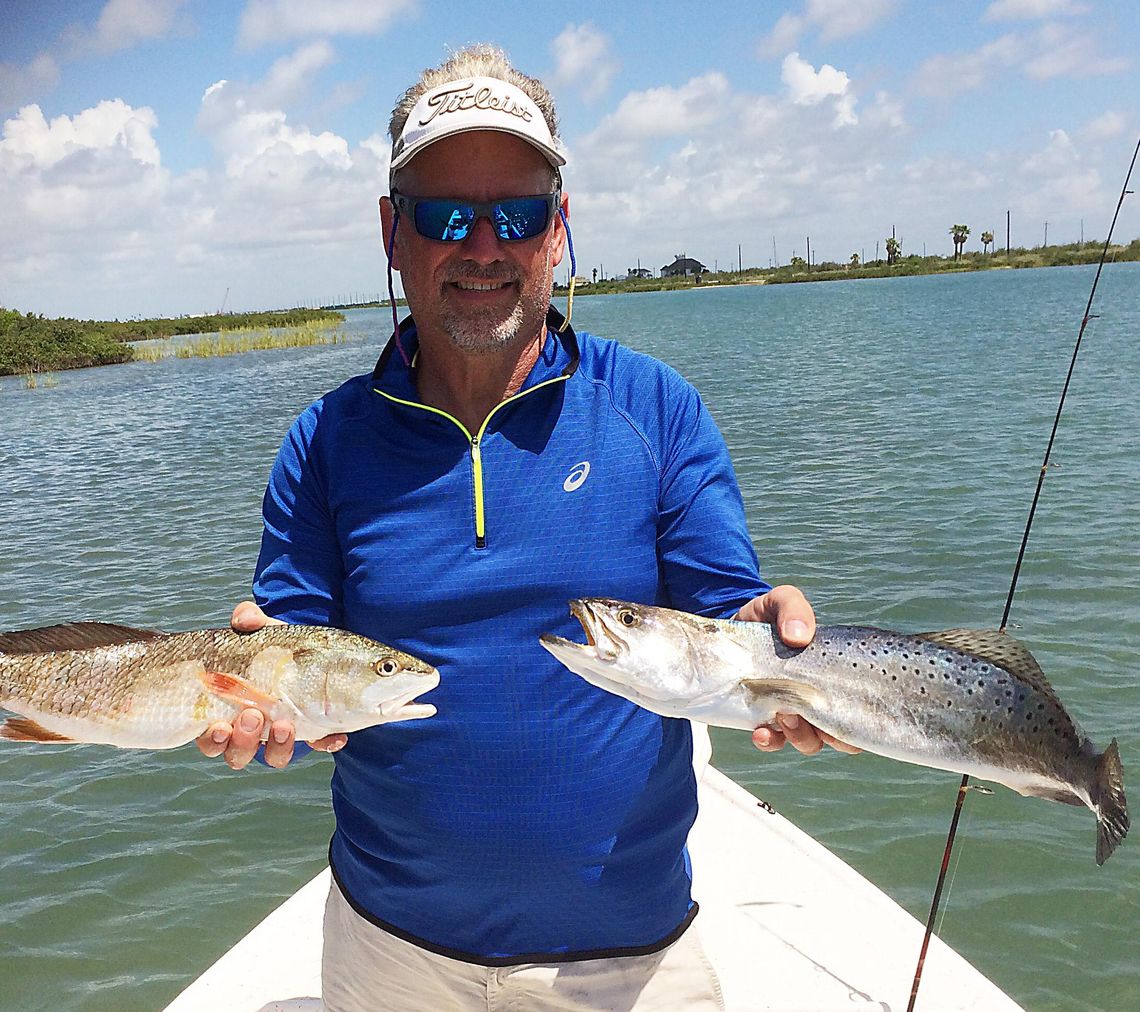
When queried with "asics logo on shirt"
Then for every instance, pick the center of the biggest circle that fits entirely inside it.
(578, 474)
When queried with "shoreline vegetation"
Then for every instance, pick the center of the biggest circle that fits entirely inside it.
(32, 344)
(798, 271)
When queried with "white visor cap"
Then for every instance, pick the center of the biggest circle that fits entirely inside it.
(476, 103)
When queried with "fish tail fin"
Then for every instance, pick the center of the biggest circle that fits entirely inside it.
(1111, 808)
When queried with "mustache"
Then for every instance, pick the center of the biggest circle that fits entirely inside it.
(468, 270)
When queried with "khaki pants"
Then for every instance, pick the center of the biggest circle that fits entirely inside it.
(366, 969)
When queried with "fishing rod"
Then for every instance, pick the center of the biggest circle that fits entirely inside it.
(965, 785)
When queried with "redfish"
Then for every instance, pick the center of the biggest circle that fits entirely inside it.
(97, 683)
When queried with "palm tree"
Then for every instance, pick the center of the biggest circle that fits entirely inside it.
(960, 234)
(894, 249)
(987, 241)
(854, 259)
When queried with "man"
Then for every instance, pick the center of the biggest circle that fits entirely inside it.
(525, 846)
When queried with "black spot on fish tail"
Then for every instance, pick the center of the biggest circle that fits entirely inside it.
(1111, 806)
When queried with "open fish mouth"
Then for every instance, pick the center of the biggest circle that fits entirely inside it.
(589, 622)
(402, 707)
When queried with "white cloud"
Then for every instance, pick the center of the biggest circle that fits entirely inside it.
(838, 19)
(784, 36)
(1045, 52)
(1062, 52)
(583, 59)
(99, 226)
(111, 127)
(18, 84)
(1030, 10)
(949, 74)
(1055, 178)
(290, 76)
(265, 21)
(807, 86)
(667, 111)
(1107, 125)
(833, 19)
(125, 23)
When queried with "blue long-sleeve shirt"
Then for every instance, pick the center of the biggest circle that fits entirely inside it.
(535, 817)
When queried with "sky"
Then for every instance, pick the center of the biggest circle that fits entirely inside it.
(171, 157)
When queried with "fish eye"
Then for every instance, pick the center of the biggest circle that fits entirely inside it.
(627, 617)
(386, 666)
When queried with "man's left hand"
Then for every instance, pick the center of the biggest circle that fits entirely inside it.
(788, 612)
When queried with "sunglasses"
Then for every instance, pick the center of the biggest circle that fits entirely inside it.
(449, 219)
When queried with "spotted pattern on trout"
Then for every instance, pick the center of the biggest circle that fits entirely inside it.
(992, 664)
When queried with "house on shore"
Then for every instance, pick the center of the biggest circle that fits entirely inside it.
(683, 266)
(633, 273)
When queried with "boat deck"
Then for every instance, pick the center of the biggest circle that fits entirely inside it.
(787, 924)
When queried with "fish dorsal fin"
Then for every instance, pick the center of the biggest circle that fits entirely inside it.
(71, 636)
(998, 648)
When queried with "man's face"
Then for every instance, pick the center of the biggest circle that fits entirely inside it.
(481, 292)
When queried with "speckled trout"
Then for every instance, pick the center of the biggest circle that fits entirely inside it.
(965, 700)
(134, 688)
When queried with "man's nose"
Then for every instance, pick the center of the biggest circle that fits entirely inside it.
(482, 242)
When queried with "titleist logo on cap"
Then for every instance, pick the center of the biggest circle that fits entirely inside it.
(474, 103)
(462, 97)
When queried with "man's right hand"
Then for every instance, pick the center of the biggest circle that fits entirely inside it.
(238, 742)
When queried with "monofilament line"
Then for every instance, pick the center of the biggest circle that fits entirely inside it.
(1088, 315)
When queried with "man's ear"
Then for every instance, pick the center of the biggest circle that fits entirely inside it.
(389, 219)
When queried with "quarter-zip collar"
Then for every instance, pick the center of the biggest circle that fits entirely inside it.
(395, 381)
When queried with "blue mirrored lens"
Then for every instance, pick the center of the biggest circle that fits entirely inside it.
(444, 219)
(451, 220)
(522, 218)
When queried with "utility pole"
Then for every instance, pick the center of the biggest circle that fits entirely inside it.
(775, 259)
(1007, 233)
(739, 261)
(808, 252)
(1046, 242)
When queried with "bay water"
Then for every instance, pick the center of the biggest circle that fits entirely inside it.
(887, 436)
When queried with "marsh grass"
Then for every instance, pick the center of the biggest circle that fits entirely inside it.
(46, 380)
(239, 340)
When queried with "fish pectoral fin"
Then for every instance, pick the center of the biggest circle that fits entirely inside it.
(782, 694)
(26, 729)
(236, 690)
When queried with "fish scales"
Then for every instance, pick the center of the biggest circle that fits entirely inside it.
(964, 700)
(101, 683)
(881, 689)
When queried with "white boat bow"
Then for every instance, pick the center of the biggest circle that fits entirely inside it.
(786, 923)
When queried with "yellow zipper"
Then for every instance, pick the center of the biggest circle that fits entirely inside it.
(474, 441)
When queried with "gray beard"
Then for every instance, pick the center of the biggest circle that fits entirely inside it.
(483, 333)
